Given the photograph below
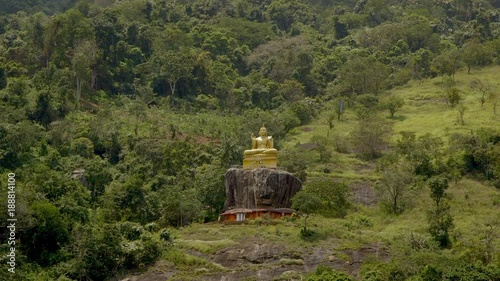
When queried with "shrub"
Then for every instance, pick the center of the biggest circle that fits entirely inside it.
(83, 147)
(334, 196)
(131, 230)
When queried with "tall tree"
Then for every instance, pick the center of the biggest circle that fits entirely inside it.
(174, 66)
(473, 53)
(307, 203)
(362, 75)
(83, 59)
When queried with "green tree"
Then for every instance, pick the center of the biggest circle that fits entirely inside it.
(44, 112)
(322, 144)
(181, 208)
(370, 137)
(174, 65)
(210, 188)
(440, 224)
(461, 111)
(306, 203)
(221, 78)
(97, 250)
(16, 92)
(484, 88)
(393, 104)
(3, 78)
(494, 98)
(474, 53)
(47, 236)
(453, 96)
(131, 200)
(98, 176)
(440, 220)
(448, 62)
(397, 175)
(83, 60)
(334, 196)
(294, 162)
(420, 63)
(83, 147)
(285, 13)
(362, 75)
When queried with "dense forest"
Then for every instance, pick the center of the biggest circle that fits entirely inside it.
(121, 117)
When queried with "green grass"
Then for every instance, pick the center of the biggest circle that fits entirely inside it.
(426, 111)
(207, 247)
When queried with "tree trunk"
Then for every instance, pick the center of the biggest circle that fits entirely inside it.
(172, 87)
(93, 79)
(305, 223)
(78, 89)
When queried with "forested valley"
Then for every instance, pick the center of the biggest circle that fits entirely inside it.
(120, 118)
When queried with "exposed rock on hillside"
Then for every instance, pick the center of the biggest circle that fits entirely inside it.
(260, 188)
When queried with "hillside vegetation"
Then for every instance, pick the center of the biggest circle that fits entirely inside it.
(120, 119)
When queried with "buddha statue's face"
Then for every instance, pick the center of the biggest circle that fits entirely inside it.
(263, 132)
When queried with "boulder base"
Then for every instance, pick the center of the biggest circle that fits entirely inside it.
(260, 188)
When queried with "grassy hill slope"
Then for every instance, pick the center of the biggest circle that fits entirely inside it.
(367, 238)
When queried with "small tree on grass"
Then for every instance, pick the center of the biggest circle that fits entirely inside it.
(322, 146)
(370, 137)
(484, 89)
(488, 232)
(440, 220)
(461, 111)
(396, 176)
(393, 104)
(494, 98)
(334, 196)
(307, 203)
(453, 96)
(329, 121)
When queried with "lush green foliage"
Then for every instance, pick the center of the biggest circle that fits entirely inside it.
(120, 118)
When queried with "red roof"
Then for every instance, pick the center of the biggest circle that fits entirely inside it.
(243, 210)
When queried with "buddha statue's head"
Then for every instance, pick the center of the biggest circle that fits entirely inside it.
(263, 131)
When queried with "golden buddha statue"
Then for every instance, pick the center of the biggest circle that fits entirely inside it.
(262, 154)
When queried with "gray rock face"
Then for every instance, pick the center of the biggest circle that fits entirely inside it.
(260, 188)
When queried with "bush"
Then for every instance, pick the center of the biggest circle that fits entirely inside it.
(131, 230)
(141, 252)
(166, 236)
(304, 110)
(334, 196)
(98, 252)
(370, 137)
(367, 100)
(44, 240)
(309, 235)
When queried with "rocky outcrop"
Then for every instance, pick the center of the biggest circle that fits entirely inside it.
(260, 188)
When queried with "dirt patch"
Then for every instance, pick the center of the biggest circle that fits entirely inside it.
(364, 193)
(308, 146)
(357, 257)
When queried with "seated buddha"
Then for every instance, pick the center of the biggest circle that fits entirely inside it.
(262, 153)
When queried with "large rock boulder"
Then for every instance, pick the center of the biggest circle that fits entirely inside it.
(260, 188)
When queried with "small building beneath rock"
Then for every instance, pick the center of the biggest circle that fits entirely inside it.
(242, 214)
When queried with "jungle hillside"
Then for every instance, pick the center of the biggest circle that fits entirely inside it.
(120, 118)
